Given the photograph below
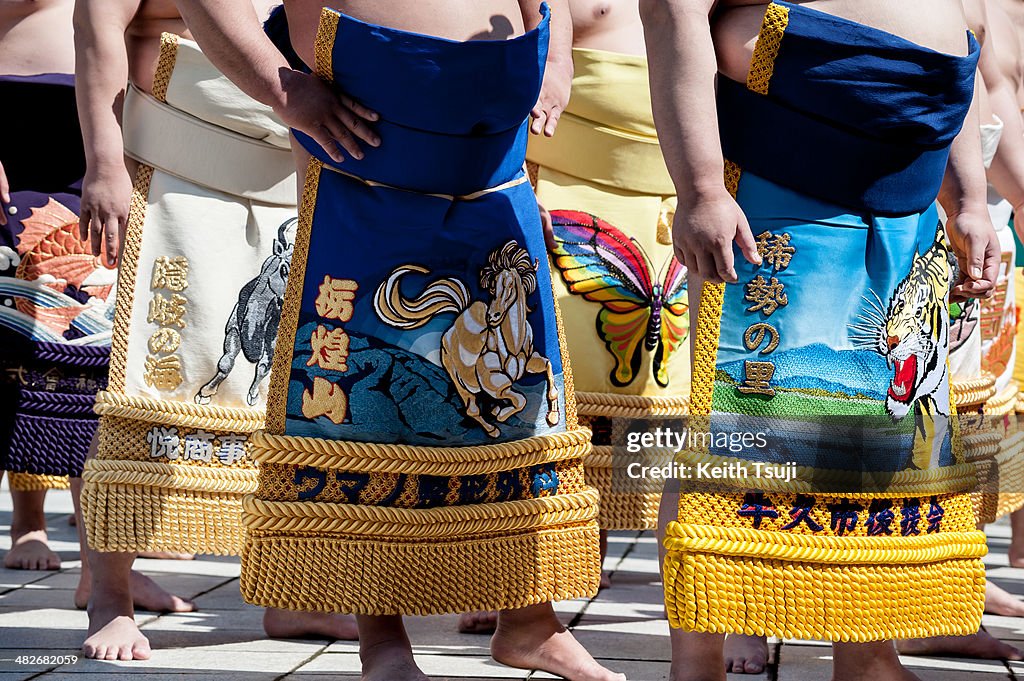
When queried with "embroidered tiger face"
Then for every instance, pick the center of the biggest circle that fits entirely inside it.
(913, 332)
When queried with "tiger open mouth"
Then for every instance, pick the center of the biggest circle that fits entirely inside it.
(903, 381)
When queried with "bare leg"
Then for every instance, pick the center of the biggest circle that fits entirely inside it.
(1017, 538)
(478, 622)
(695, 656)
(294, 624)
(745, 654)
(113, 634)
(29, 547)
(868, 662)
(982, 646)
(385, 651)
(606, 581)
(534, 638)
(1000, 602)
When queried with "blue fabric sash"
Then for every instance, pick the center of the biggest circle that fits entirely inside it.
(457, 111)
(853, 115)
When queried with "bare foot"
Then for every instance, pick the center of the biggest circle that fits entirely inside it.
(29, 551)
(478, 622)
(113, 634)
(745, 654)
(167, 555)
(72, 520)
(147, 595)
(982, 646)
(294, 624)
(875, 661)
(533, 638)
(606, 581)
(385, 651)
(696, 656)
(999, 602)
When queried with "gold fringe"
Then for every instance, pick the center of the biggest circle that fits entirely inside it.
(775, 594)
(127, 518)
(165, 65)
(381, 576)
(533, 172)
(367, 457)
(30, 482)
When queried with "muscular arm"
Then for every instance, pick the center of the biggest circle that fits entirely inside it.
(101, 76)
(559, 70)
(1007, 171)
(963, 197)
(232, 38)
(683, 69)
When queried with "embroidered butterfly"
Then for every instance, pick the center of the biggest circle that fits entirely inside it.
(600, 263)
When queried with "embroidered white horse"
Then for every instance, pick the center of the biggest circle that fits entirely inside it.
(489, 346)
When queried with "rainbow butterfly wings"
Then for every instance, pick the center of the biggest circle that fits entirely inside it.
(639, 308)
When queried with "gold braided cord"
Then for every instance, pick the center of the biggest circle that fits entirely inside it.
(30, 482)
(281, 368)
(378, 577)
(419, 523)
(176, 413)
(846, 603)
(222, 480)
(165, 65)
(369, 457)
(630, 406)
(572, 421)
(323, 49)
(125, 518)
(973, 391)
(127, 272)
(750, 543)
(769, 39)
(705, 354)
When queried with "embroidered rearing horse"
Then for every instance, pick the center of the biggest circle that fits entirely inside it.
(489, 346)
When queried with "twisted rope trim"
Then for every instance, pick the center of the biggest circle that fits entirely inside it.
(630, 406)
(174, 413)
(233, 481)
(30, 482)
(753, 544)
(1002, 403)
(78, 356)
(973, 391)
(369, 457)
(419, 523)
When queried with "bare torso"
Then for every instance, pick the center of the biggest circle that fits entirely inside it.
(611, 25)
(1006, 36)
(452, 19)
(143, 35)
(935, 24)
(25, 25)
